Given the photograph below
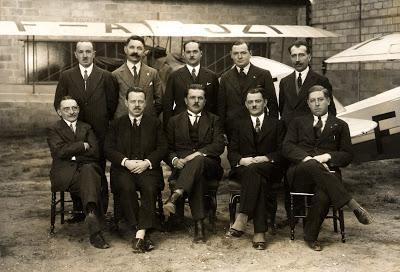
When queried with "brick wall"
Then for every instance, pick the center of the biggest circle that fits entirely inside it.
(343, 17)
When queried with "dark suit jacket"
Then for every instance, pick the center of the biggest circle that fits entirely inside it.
(179, 81)
(231, 98)
(64, 144)
(292, 105)
(153, 142)
(300, 142)
(211, 137)
(268, 144)
(149, 81)
(99, 101)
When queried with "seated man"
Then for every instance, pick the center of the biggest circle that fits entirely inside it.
(195, 141)
(316, 143)
(75, 166)
(135, 144)
(254, 155)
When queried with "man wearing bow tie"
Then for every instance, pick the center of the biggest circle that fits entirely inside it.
(254, 155)
(135, 73)
(75, 167)
(179, 80)
(195, 141)
(235, 83)
(135, 145)
(315, 144)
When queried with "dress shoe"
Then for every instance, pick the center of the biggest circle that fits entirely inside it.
(138, 245)
(314, 245)
(260, 245)
(363, 216)
(169, 206)
(76, 218)
(234, 233)
(97, 240)
(199, 236)
(148, 244)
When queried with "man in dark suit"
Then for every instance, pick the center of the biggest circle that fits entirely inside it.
(236, 81)
(96, 92)
(315, 144)
(254, 155)
(134, 73)
(192, 72)
(195, 141)
(135, 145)
(293, 88)
(75, 166)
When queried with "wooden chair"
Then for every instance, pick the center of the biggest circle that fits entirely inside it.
(61, 211)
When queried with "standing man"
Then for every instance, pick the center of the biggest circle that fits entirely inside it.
(195, 141)
(135, 145)
(96, 92)
(293, 88)
(134, 73)
(254, 155)
(315, 144)
(235, 83)
(75, 167)
(192, 72)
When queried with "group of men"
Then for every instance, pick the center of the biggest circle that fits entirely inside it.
(115, 116)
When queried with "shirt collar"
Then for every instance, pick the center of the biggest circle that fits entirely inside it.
(69, 123)
(191, 114)
(303, 73)
(138, 119)
(190, 68)
(131, 64)
(88, 69)
(245, 69)
(323, 118)
(254, 118)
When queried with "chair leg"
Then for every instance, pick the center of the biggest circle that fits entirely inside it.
(341, 221)
(231, 211)
(334, 218)
(53, 212)
(212, 216)
(292, 223)
(62, 210)
(160, 209)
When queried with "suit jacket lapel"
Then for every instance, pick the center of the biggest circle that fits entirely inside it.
(308, 82)
(204, 125)
(328, 127)
(145, 132)
(250, 78)
(66, 130)
(144, 78)
(248, 127)
(309, 126)
(183, 123)
(127, 76)
(185, 76)
(77, 79)
(291, 90)
(264, 129)
(234, 80)
(92, 82)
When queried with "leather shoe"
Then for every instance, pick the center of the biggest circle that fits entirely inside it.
(234, 233)
(199, 236)
(169, 205)
(260, 245)
(363, 216)
(138, 245)
(76, 218)
(314, 245)
(97, 240)
(148, 244)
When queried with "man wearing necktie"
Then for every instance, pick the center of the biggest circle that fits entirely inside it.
(135, 73)
(254, 155)
(96, 92)
(75, 167)
(135, 144)
(179, 80)
(315, 144)
(236, 81)
(195, 141)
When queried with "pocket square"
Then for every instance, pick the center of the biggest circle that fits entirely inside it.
(208, 83)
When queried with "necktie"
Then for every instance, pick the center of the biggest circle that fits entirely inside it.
(85, 77)
(135, 122)
(72, 128)
(258, 125)
(318, 128)
(299, 82)
(194, 74)
(196, 120)
(241, 73)
(135, 75)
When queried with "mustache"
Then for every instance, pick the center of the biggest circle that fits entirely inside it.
(134, 55)
(137, 108)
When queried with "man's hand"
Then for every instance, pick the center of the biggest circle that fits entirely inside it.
(247, 161)
(87, 145)
(323, 158)
(307, 158)
(192, 156)
(259, 159)
(179, 163)
(140, 166)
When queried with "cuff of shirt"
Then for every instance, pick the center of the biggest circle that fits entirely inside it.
(150, 167)
(123, 162)
(175, 158)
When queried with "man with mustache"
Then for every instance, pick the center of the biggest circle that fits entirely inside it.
(254, 155)
(134, 73)
(195, 142)
(179, 80)
(96, 92)
(75, 167)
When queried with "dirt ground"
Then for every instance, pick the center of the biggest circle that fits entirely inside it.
(25, 243)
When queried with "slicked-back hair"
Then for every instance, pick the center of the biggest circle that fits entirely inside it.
(240, 42)
(298, 43)
(191, 41)
(135, 38)
(76, 45)
(135, 90)
(317, 88)
(195, 87)
(255, 90)
(66, 97)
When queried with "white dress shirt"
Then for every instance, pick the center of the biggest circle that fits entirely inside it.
(192, 117)
(88, 70)
(303, 75)
(196, 68)
(245, 69)
(131, 64)
(323, 119)
(254, 120)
